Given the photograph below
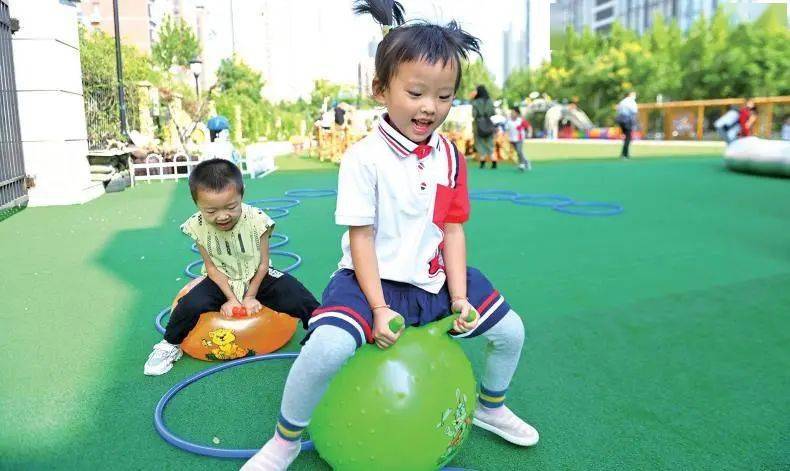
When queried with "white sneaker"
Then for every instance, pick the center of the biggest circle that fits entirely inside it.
(522, 167)
(276, 455)
(161, 359)
(503, 422)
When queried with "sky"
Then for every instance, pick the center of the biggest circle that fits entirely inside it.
(296, 42)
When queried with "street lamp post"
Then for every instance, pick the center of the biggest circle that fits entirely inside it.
(196, 67)
(119, 69)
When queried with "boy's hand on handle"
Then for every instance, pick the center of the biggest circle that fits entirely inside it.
(252, 305)
(468, 317)
(227, 308)
(382, 334)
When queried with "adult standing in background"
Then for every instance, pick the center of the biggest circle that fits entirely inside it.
(482, 110)
(626, 118)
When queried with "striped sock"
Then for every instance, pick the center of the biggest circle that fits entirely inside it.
(288, 431)
(491, 399)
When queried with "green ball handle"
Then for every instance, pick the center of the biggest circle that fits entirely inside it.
(471, 316)
(396, 324)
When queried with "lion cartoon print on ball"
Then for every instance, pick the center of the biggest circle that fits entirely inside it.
(224, 340)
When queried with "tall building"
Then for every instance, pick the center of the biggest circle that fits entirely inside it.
(139, 20)
(507, 52)
(526, 41)
(538, 32)
(638, 15)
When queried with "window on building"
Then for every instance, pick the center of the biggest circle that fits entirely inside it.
(604, 14)
(601, 2)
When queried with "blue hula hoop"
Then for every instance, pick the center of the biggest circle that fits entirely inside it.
(188, 270)
(293, 266)
(289, 203)
(548, 201)
(205, 450)
(310, 193)
(492, 195)
(608, 209)
(158, 320)
(278, 212)
(283, 240)
(216, 452)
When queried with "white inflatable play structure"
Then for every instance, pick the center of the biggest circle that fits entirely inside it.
(760, 156)
(557, 113)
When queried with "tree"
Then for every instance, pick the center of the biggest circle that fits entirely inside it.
(323, 89)
(519, 84)
(97, 58)
(177, 44)
(99, 83)
(663, 73)
(713, 59)
(236, 77)
(474, 74)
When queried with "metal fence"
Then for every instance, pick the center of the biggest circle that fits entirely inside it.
(102, 113)
(13, 189)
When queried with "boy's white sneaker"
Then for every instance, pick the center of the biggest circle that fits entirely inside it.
(503, 422)
(161, 358)
(276, 455)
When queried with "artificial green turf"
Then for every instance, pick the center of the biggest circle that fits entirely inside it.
(658, 339)
(302, 162)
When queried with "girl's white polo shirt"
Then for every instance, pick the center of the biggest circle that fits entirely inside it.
(407, 192)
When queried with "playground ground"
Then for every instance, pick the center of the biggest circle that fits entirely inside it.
(657, 339)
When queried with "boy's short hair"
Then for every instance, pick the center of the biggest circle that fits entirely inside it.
(215, 175)
(416, 41)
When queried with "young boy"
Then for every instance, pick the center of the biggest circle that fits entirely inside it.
(233, 239)
(517, 130)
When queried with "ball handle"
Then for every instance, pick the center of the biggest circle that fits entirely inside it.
(396, 324)
(471, 316)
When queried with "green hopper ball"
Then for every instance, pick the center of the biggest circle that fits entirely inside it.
(408, 407)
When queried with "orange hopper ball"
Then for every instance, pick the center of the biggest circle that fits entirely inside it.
(216, 337)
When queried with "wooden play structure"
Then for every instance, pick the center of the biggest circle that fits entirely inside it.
(686, 119)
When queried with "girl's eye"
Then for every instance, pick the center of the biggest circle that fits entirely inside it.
(415, 94)
(444, 97)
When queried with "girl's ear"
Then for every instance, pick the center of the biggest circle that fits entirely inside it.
(378, 92)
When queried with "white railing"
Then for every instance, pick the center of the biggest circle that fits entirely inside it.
(155, 167)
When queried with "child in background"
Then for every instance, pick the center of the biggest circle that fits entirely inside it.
(233, 239)
(517, 130)
(402, 193)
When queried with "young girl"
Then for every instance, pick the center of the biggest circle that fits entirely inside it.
(402, 192)
(233, 239)
(517, 129)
